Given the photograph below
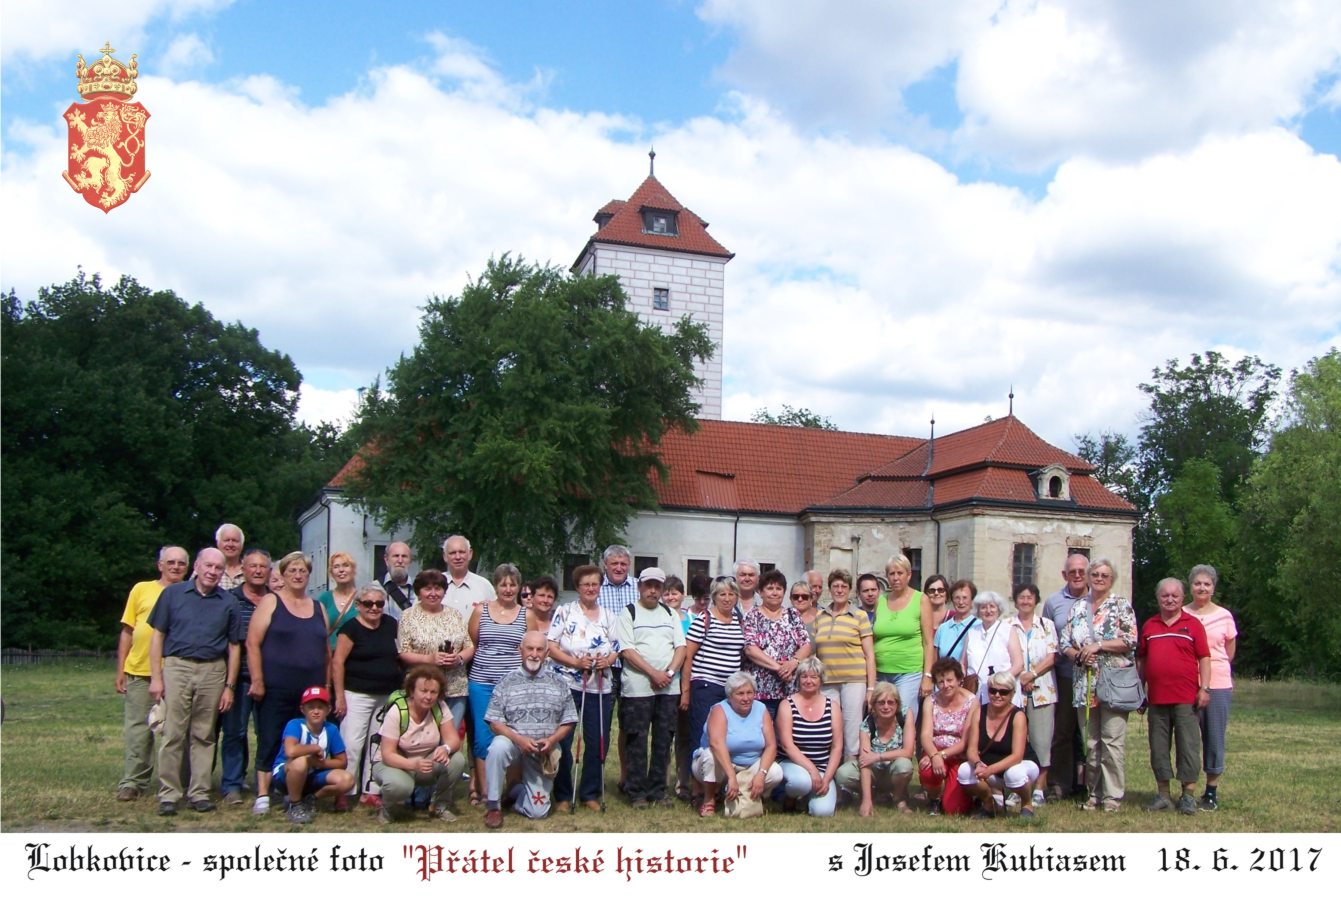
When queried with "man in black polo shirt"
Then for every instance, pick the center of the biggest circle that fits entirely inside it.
(193, 660)
(233, 749)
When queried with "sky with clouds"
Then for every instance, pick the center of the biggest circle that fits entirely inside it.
(929, 203)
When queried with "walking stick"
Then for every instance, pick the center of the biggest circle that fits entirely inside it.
(577, 745)
(600, 712)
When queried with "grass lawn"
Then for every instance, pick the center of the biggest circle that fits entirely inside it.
(61, 753)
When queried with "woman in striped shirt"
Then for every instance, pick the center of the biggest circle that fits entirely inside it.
(714, 646)
(496, 629)
(843, 645)
(810, 735)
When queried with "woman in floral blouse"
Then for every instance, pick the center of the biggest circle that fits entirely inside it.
(1100, 632)
(776, 640)
(434, 634)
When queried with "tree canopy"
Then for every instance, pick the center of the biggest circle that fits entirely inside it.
(1291, 530)
(800, 417)
(133, 419)
(528, 416)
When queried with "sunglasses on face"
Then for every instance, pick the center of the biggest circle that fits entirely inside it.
(800, 597)
(1000, 692)
(935, 591)
(373, 605)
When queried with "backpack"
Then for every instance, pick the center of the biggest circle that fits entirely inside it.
(401, 703)
(633, 610)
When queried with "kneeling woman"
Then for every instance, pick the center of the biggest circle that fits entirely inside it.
(996, 749)
(737, 740)
(420, 747)
(946, 716)
(810, 736)
(888, 748)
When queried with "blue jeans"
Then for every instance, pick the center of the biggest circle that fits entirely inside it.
(909, 686)
(595, 736)
(481, 734)
(233, 749)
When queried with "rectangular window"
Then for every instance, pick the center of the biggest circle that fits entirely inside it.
(914, 555)
(696, 568)
(660, 222)
(642, 563)
(570, 563)
(765, 567)
(379, 564)
(661, 299)
(1022, 567)
(1082, 551)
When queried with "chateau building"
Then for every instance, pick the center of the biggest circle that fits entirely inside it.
(993, 503)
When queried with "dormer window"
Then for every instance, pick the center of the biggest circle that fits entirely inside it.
(660, 222)
(1053, 483)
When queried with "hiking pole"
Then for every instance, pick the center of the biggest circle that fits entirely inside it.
(577, 743)
(600, 691)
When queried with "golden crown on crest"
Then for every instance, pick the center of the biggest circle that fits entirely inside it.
(107, 76)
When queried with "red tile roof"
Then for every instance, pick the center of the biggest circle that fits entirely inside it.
(1005, 441)
(625, 225)
(991, 463)
(749, 467)
(772, 468)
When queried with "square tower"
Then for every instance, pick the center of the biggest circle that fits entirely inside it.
(669, 267)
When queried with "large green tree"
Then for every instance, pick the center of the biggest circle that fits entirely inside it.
(1209, 410)
(1291, 533)
(528, 417)
(133, 419)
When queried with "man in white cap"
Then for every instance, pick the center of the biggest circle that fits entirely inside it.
(653, 650)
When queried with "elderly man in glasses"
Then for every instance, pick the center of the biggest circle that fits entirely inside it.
(1065, 728)
(132, 671)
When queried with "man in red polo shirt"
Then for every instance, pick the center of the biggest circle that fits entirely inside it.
(1175, 662)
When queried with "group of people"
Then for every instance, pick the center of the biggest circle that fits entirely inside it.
(742, 690)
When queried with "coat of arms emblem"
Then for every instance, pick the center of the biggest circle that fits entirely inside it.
(106, 163)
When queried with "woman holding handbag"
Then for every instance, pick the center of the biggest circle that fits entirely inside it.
(1099, 637)
(988, 648)
(1036, 638)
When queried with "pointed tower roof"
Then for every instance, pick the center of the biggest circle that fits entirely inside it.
(624, 222)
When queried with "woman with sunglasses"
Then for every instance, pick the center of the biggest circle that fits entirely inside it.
(365, 670)
(997, 740)
(936, 589)
(805, 603)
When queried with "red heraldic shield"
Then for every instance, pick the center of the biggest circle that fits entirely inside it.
(106, 151)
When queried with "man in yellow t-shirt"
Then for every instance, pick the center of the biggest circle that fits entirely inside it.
(132, 671)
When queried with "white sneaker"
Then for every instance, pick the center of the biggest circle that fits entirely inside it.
(1039, 798)
(261, 806)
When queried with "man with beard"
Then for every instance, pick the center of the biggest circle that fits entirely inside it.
(531, 712)
(397, 582)
(193, 661)
(132, 671)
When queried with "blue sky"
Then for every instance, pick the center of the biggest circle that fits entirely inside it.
(933, 201)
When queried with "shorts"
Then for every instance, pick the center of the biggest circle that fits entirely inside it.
(316, 779)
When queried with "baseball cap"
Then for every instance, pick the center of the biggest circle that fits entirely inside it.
(316, 693)
(653, 574)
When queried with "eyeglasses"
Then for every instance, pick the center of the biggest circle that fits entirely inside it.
(1001, 692)
(1075, 572)
(934, 591)
(1102, 576)
(373, 605)
(800, 597)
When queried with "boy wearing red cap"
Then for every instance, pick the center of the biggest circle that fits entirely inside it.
(311, 764)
